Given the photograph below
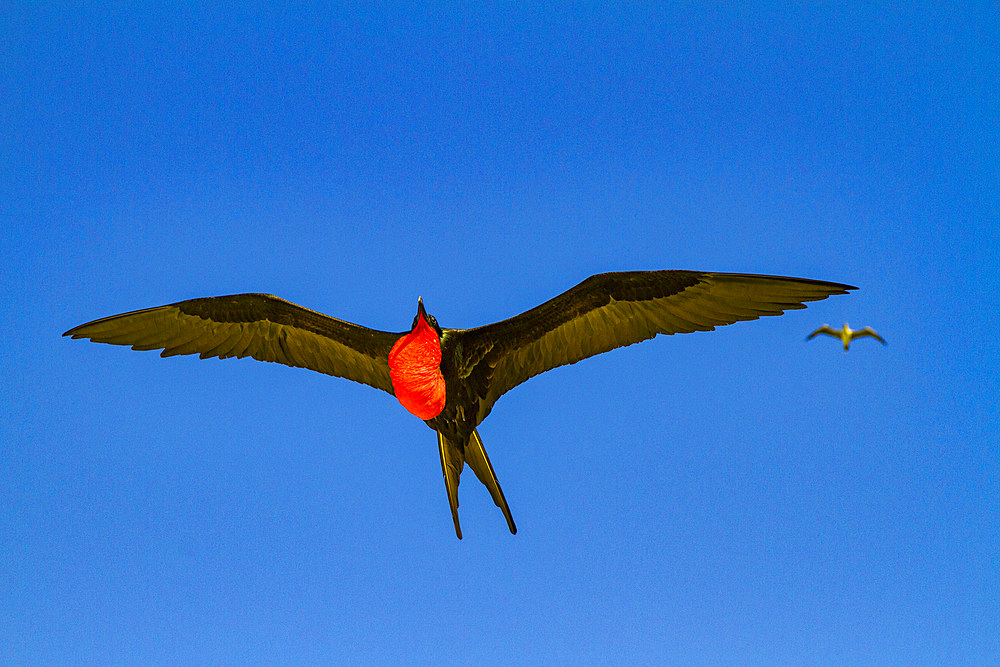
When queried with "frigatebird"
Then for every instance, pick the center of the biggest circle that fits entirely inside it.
(846, 335)
(451, 378)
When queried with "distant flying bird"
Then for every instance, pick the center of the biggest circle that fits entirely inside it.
(451, 378)
(846, 334)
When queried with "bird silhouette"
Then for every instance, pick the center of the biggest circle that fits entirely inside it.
(451, 378)
(846, 334)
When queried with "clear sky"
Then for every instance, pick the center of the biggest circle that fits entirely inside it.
(725, 497)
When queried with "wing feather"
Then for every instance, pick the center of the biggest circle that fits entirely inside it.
(824, 330)
(227, 341)
(868, 331)
(190, 341)
(261, 326)
(243, 344)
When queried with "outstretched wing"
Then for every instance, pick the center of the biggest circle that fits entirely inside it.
(868, 331)
(829, 331)
(612, 310)
(252, 325)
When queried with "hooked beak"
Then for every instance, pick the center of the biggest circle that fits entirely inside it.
(420, 308)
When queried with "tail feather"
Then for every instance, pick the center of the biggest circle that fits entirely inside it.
(452, 462)
(476, 456)
(453, 458)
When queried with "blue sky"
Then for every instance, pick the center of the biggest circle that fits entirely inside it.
(734, 496)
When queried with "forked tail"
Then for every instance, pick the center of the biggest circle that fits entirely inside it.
(454, 456)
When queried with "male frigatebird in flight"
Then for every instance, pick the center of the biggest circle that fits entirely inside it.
(451, 378)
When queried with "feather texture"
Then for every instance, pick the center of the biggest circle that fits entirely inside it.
(477, 366)
(260, 326)
(612, 310)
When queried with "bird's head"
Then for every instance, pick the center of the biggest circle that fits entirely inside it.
(429, 319)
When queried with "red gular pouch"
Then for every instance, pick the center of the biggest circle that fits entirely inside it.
(415, 371)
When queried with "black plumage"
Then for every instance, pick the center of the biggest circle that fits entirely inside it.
(479, 365)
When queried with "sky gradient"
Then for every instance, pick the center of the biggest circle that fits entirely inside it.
(738, 496)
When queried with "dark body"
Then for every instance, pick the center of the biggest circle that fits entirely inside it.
(477, 365)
